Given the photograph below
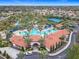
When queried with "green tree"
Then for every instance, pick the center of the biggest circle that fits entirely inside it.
(41, 41)
(0, 52)
(23, 49)
(27, 40)
(62, 37)
(51, 49)
(7, 56)
(43, 54)
(4, 54)
(21, 55)
(56, 46)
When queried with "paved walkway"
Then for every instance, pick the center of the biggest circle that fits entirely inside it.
(11, 51)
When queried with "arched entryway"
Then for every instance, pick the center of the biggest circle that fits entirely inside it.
(35, 45)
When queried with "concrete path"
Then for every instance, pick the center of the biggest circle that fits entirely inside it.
(11, 51)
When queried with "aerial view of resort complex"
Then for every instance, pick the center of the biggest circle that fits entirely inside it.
(39, 32)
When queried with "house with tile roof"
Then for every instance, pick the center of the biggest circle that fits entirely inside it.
(18, 41)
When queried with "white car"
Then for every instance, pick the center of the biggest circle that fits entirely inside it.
(26, 53)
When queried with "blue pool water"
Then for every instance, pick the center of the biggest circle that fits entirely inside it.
(23, 33)
(36, 31)
(55, 19)
(48, 31)
(17, 23)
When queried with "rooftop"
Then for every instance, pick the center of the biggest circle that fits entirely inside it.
(53, 39)
(18, 40)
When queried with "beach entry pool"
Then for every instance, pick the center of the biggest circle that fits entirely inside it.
(34, 31)
(55, 20)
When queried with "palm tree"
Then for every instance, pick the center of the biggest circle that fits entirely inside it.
(8, 57)
(4, 54)
(0, 52)
(20, 55)
(51, 49)
(62, 37)
(41, 41)
(43, 54)
(27, 40)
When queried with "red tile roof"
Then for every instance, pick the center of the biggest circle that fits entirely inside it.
(35, 37)
(53, 39)
(18, 40)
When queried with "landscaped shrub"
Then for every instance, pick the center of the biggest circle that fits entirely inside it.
(0, 52)
(51, 49)
(27, 40)
(62, 37)
(42, 46)
(59, 44)
(20, 55)
(7, 56)
(56, 46)
(4, 43)
(4, 54)
(29, 49)
(23, 49)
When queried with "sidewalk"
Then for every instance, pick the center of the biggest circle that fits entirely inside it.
(11, 51)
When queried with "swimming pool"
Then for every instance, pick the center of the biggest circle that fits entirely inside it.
(36, 31)
(17, 23)
(55, 19)
(23, 33)
(48, 32)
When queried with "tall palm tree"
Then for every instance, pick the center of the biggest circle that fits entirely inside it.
(43, 54)
(21, 55)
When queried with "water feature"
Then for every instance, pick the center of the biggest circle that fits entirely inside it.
(55, 19)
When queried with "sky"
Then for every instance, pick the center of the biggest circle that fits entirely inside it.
(40, 2)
